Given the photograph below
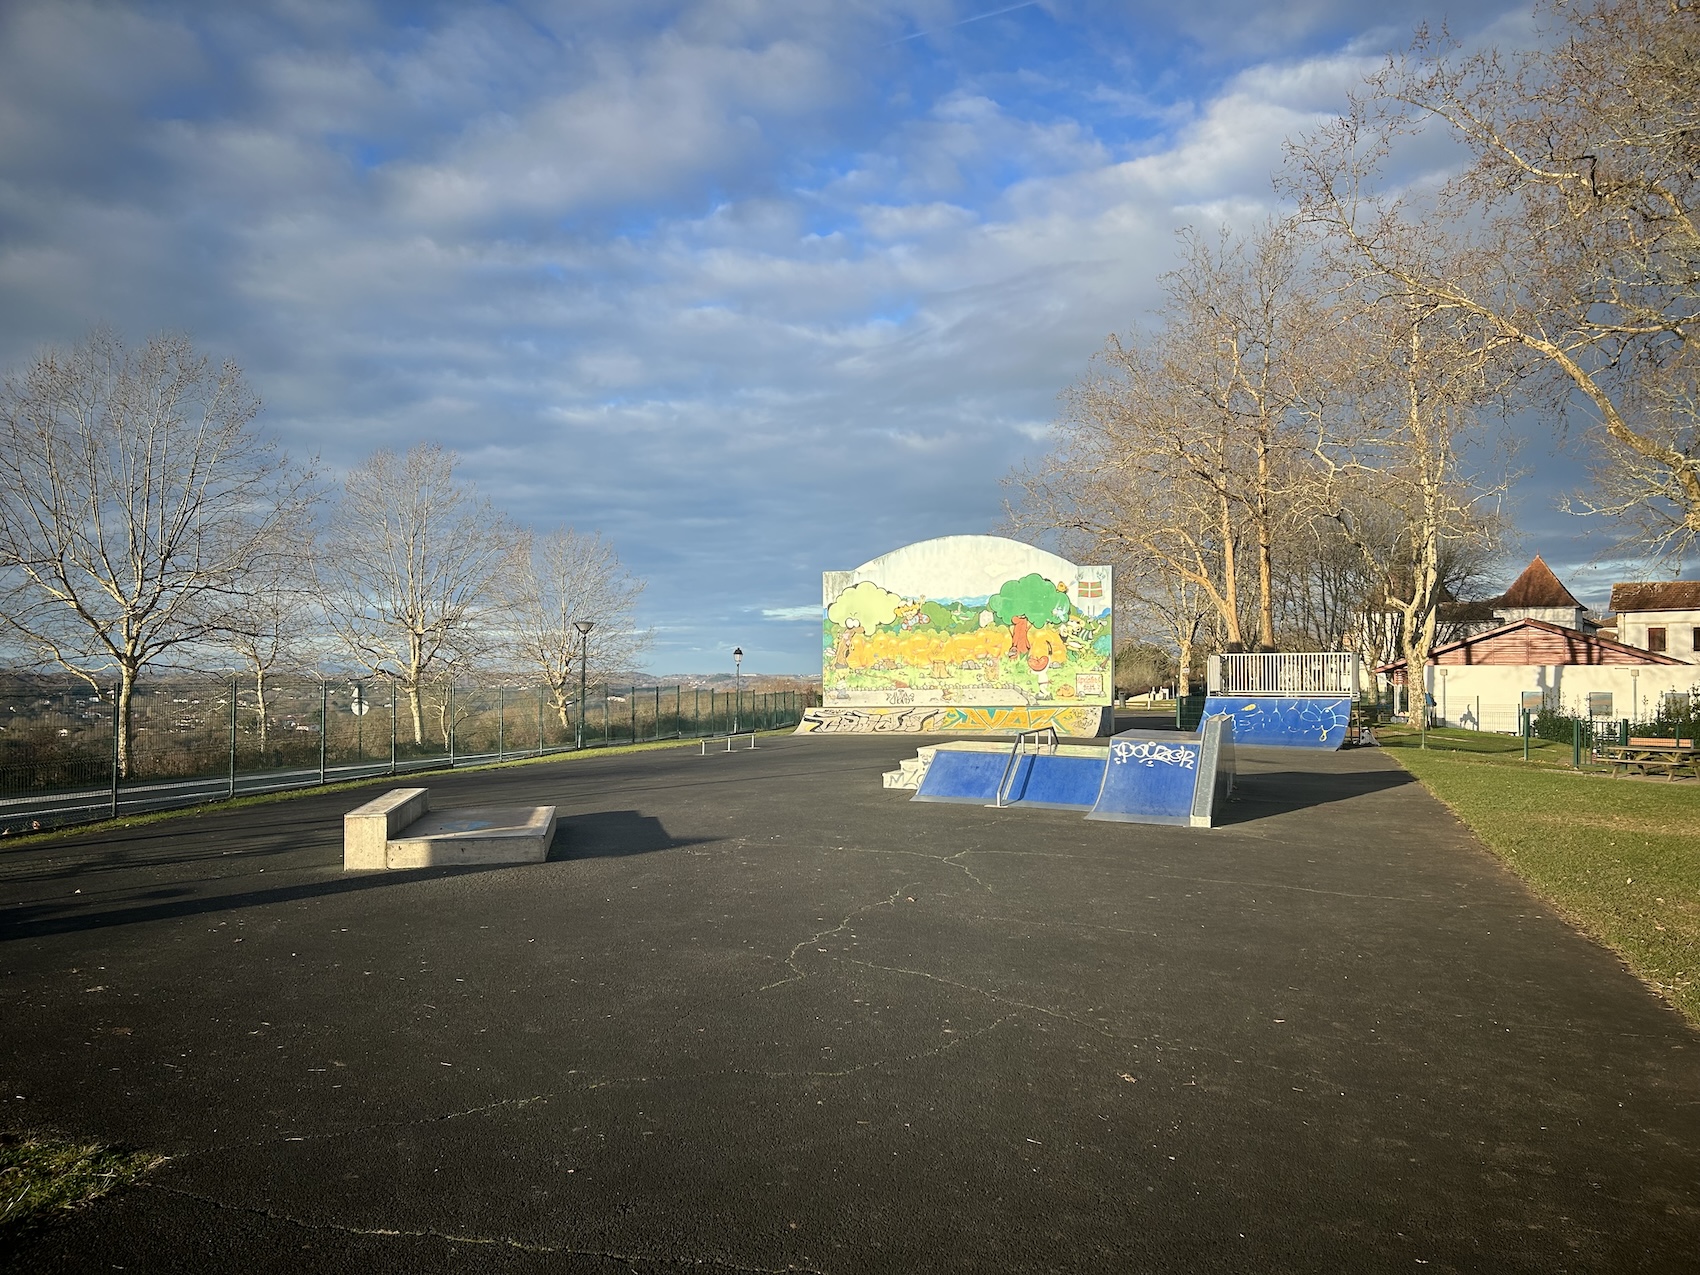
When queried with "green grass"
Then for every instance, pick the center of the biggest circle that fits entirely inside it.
(40, 1176)
(1620, 858)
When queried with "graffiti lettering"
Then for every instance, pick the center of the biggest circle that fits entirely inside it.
(1150, 753)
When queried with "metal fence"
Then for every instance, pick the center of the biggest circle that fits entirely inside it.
(196, 739)
(1284, 673)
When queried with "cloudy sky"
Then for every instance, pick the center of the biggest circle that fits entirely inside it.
(757, 288)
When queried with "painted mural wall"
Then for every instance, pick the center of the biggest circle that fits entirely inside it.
(985, 627)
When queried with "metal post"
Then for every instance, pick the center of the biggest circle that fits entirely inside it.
(631, 698)
(605, 713)
(324, 705)
(1576, 744)
(451, 698)
(737, 686)
(501, 724)
(233, 735)
(1527, 723)
(657, 734)
(395, 710)
(540, 721)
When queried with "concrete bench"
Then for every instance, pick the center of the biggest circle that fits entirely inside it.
(399, 830)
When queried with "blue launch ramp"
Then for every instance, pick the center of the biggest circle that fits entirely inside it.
(1162, 777)
(1030, 772)
(1142, 777)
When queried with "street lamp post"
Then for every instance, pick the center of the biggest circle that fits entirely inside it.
(737, 686)
(584, 627)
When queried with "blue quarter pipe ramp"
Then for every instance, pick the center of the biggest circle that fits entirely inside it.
(1285, 721)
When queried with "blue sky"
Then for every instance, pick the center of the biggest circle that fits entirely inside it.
(757, 288)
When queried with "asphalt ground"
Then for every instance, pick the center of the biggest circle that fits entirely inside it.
(757, 1013)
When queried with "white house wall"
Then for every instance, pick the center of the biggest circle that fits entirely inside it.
(1679, 629)
(1487, 696)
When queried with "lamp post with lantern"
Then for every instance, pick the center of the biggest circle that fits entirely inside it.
(584, 627)
(737, 687)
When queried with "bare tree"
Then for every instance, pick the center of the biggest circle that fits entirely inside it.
(1571, 235)
(557, 580)
(1399, 490)
(1185, 449)
(412, 573)
(134, 499)
(274, 623)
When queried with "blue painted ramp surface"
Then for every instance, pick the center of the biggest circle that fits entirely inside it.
(1057, 782)
(1285, 721)
(963, 776)
(1162, 777)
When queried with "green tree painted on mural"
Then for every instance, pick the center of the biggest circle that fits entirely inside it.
(869, 604)
(1040, 600)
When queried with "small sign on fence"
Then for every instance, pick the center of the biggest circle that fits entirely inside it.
(1599, 703)
(1533, 701)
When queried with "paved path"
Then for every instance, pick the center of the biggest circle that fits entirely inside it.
(759, 1014)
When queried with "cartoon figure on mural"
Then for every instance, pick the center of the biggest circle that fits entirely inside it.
(1028, 642)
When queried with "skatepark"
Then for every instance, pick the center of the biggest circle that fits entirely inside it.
(755, 1011)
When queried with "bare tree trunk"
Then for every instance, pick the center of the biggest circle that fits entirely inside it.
(416, 706)
(1230, 579)
(126, 724)
(1265, 557)
(260, 701)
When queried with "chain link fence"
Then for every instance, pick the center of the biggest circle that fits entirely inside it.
(195, 739)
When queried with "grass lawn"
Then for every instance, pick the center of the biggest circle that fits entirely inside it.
(39, 1176)
(1619, 857)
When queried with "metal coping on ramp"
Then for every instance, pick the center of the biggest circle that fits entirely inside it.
(1142, 777)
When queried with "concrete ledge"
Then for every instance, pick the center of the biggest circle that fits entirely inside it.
(366, 830)
(513, 835)
(398, 830)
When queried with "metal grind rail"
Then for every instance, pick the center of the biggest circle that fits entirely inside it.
(1040, 738)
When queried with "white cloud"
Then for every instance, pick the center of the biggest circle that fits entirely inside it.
(692, 280)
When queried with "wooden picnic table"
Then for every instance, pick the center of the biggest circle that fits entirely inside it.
(1669, 757)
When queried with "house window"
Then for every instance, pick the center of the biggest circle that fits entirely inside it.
(1655, 640)
(1695, 644)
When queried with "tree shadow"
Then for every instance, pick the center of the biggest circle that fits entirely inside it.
(611, 834)
(39, 920)
(1277, 792)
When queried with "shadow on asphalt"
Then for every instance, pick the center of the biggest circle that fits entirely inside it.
(611, 834)
(1278, 792)
(35, 920)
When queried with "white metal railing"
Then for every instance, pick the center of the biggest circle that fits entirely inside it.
(1281, 673)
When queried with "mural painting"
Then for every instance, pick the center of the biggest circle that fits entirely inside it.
(1005, 636)
(944, 719)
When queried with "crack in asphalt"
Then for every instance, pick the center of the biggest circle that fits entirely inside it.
(991, 996)
(797, 973)
(499, 1241)
(879, 1063)
(354, 1131)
